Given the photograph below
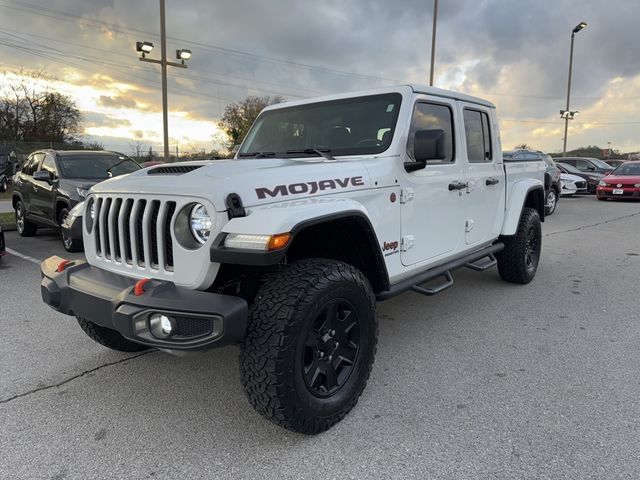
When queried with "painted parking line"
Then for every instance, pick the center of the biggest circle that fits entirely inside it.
(24, 257)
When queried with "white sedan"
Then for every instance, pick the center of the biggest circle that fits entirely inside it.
(572, 184)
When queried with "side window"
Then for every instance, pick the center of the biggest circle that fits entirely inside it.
(476, 127)
(581, 165)
(531, 157)
(31, 165)
(429, 116)
(49, 164)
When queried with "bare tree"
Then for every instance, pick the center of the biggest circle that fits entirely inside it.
(31, 111)
(137, 147)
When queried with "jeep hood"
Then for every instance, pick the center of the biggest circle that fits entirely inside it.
(257, 181)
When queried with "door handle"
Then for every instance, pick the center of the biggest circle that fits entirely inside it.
(492, 181)
(457, 186)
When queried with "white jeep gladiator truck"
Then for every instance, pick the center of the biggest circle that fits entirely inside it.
(330, 205)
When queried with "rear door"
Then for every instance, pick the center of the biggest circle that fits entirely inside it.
(484, 208)
(44, 193)
(432, 212)
(24, 184)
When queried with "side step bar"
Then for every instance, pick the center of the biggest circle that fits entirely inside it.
(412, 283)
(484, 266)
(432, 291)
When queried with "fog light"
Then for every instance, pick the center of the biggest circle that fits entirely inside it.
(161, 326)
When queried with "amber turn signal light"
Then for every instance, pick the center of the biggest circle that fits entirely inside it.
(276, 242)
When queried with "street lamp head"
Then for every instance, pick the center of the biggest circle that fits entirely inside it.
(579, 27)
(183, 54)
(144, 47)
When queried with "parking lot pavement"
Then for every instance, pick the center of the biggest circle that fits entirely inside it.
(486, 380)
(5, 206)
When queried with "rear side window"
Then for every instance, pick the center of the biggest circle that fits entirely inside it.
(478, 135)
(430, 116)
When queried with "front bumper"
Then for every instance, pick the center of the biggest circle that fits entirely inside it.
(627, 192)
(203, 320)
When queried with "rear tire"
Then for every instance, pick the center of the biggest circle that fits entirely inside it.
(25, 227)
(109, 338)
(70, 244)
(310, 344)
(4, 185)
(551, 201)
(518, 262)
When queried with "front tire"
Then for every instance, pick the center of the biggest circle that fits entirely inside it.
(4, 185)
(310, 344)
(70, 244)
(109, 338)
(25, 227)
(518, 262)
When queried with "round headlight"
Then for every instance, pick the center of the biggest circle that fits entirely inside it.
(200, 223)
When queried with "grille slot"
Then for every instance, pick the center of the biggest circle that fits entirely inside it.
(135, 232)
(173, 170)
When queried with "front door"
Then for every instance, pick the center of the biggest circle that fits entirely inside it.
(485, 176)
(432, 201)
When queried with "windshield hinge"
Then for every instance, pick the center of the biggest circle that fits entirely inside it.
(234, 206)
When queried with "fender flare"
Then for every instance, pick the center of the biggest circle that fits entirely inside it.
(293, 217)
(516, 203)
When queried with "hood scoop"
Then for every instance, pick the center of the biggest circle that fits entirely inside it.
(173, 170)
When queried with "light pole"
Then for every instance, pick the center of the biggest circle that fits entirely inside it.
(566, 113)
(433, 40)
(145, 48)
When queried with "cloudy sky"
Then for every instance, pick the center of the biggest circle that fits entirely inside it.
(513, 52)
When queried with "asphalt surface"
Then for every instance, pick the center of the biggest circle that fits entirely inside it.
(5, 206)
(486, 380)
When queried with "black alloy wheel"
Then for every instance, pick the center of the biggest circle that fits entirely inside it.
(331, 348)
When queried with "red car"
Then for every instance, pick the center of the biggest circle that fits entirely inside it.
(623, 182)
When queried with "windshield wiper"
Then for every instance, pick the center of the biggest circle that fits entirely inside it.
(115, 165)
(323, 152)
(257, 154)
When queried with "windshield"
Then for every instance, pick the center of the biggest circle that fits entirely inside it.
(353, 126)
(601, 164)
(569, 168)
(627, 169)
(96, 166)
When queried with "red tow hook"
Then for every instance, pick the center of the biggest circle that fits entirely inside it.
(62, 265)
(138, 289)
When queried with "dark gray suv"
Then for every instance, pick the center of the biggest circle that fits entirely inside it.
(552, 183)
(52, 182)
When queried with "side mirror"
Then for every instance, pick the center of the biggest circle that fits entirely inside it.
(591, 168)
(43, 176)
(427, 145)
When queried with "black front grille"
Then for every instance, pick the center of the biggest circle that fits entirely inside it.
(173, 170)
(139, 232)
(581, 184)
(192, 327)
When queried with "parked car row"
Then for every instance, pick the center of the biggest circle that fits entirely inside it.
(567, 176)
(51, 185)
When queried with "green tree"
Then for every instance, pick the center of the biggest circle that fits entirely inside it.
(238, 117)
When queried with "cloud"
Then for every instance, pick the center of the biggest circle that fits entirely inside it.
(514, 53)
(117, 102)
